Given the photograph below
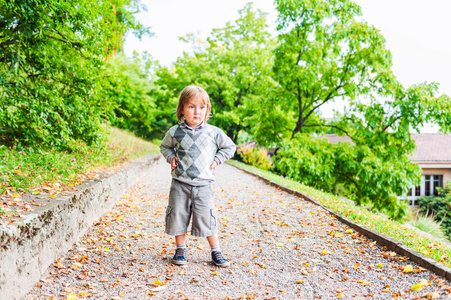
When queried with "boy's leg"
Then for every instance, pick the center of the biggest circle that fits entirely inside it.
(216, 254)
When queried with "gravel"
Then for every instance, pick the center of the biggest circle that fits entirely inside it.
(280, 246)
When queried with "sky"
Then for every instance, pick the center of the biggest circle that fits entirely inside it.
(417, 32)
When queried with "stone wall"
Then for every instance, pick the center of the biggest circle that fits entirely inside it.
(30, 245)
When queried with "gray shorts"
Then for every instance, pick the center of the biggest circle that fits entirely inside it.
(186, 200)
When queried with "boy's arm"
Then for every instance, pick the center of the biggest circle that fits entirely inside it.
(226, 147)
(167, 147)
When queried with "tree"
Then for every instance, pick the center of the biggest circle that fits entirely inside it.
(51, 68)
(233, 66)
(129, 82)
(325, 54)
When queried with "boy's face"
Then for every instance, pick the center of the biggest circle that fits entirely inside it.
(194, 111)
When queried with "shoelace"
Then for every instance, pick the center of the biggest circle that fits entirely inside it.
(218, 255)
(180, 252)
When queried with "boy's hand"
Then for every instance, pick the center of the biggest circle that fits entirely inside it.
(213, 166)
(174, 162)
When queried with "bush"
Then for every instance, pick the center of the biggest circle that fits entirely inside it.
(257, 157)
(440, 207)
(358, 171)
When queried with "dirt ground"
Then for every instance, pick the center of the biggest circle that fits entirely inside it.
(280, 247)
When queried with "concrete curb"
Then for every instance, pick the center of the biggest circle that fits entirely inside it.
(383, 240)
(30, 245)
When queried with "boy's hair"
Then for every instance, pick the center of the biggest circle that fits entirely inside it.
(188, 93)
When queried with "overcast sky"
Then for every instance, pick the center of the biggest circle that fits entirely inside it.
(417, 31)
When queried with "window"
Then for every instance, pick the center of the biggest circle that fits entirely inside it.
(427, 185)
(431, 182)
(418, 191)
(438, 182)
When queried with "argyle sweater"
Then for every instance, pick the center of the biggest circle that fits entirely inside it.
(196, 149)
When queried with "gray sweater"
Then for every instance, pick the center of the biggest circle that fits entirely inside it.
(196, 149)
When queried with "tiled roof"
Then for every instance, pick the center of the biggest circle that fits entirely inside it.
(431, 147)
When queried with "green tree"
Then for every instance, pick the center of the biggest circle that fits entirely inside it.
(324, 54)
(129, 82)
(51, 68)
(234, 67)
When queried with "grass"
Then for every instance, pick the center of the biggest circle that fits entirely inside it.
(428, 224)
(21, 171)
(427, 246)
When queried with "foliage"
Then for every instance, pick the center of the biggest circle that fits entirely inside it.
(129, 82)
(233, 66)
(22, 170)
(324, 53)
(427, 223)
(51, 68)
(368, 178)
(427, 246)
(254, 156)
(440, 207)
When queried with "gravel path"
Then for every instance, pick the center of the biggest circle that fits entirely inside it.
(281, 247)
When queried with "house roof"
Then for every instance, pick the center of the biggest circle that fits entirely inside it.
(432, 148)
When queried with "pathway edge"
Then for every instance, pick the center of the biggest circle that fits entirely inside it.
(29, 246)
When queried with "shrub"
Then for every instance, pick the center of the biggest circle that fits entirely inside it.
(440, 207)
(257, 157)
(358, 171)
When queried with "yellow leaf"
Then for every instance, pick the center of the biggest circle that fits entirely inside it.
(356, 266)
(279, 245)
(338, 234)
(408, 269)
(299, 281)
(52, 196)
(214, 273)
(324, 252)
(332, 233)
(349, 231)
(182, 273)
(200, 247)
(157, 282)
(379, 265)
(416, 287)
(340, 295)
(106, 249)
(16, 195)
(71, 297)
(121, 217)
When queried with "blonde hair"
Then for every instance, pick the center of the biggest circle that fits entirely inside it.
(188, 93)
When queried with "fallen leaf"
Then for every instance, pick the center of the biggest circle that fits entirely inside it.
(416, 287)
(71, 297)
(299, 281)
(379, 265)
(408, 269)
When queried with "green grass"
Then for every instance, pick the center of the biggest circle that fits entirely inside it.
(21, 171)
(428, 224)
(427, 246)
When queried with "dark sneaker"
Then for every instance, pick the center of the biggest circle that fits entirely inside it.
(219, 259)
(179, 256)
